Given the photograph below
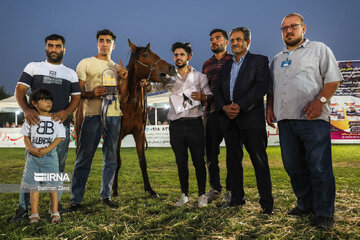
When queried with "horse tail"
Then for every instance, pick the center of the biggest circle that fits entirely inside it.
(78, 116)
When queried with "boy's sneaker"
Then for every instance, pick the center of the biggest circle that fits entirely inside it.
(227, 197)
(20, 215)
(183, 200)
(212, 195)
(202, 201)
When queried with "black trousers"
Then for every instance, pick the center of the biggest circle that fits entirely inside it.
(255, 142)
(188, 133)
(213, 139)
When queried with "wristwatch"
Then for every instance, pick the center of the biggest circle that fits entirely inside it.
(322, 99)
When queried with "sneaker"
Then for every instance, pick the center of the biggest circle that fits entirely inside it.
(74, 207)
(183, 200)
(227, 197)
(110, 203)
(231, 204)
(202, 201)
(212, 195)
(322, 222)
(20, 215)
(298, 212)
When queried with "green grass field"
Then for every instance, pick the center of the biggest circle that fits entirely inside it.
(141, 217)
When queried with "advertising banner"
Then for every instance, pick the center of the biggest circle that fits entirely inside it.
(345, 105)
(156, 136)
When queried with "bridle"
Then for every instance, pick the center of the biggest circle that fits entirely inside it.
(152, 68)
(144, 97)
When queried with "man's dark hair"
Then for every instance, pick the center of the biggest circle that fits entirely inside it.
(224, 33)
(245, 30)
(183, 45)
(38, 94)
(55, 37)
(105, 32)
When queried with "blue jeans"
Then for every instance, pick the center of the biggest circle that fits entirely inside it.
(91, 132)
(62, 150)
(306, 153)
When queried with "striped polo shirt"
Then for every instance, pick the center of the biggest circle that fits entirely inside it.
(60, 80)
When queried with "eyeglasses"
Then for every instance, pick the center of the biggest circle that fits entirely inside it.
(291, 27)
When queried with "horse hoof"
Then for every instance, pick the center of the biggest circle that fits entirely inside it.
(115, 194)
(153, 194)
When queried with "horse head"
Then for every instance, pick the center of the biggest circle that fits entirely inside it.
(148, 65)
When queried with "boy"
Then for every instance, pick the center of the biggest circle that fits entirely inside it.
(41, 156)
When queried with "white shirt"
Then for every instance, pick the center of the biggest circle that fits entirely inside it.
(195, 82)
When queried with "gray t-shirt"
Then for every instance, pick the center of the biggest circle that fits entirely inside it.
(298, 76)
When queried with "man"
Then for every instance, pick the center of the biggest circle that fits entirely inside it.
(63, 83)
(305, 77)
(213, 135)
(189, 89)
(90, 72)
(239, 98)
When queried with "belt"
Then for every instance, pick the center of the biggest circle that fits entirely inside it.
(186, 119)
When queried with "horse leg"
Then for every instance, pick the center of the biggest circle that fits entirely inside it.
(138, 137)
(115, 182)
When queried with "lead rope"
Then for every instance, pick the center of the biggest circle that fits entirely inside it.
(106, 101)
(144, 99)
(144, 114)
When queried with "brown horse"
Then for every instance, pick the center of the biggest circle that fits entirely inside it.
(143, 64)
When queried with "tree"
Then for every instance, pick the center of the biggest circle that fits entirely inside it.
(3, 93)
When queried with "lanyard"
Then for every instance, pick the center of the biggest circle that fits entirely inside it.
(289, 53)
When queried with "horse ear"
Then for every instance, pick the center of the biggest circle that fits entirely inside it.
(132, 46)
(148, 46)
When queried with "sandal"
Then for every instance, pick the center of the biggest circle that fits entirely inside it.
(55, 217)
(34, 218)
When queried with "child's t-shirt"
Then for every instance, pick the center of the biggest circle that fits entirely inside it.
(44, 133)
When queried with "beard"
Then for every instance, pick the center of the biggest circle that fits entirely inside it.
(293, 42)
(54, 59)
(218, 49)
(180, 65)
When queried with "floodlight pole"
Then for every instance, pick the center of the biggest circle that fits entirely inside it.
(156, 114)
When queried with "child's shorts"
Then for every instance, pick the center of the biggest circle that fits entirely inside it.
(39, 172)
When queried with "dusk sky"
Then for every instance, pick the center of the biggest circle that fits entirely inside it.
(25, 23)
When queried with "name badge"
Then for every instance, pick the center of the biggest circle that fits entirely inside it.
(286, 63)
